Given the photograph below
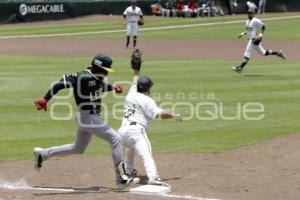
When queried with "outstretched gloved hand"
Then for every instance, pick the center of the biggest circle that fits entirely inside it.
(41, 104)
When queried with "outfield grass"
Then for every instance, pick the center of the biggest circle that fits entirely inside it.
(273, 83)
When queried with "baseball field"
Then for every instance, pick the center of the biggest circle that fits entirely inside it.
(239, 139)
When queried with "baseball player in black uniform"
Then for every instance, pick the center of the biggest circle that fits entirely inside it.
(88, 86)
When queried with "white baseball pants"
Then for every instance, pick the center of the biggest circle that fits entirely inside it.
(135, 138)
(249, 49)
(88, 124)
(132, 28)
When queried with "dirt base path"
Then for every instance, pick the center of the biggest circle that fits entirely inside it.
(190, 49)
(269, 171)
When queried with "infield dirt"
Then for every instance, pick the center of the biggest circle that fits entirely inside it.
(265, 171)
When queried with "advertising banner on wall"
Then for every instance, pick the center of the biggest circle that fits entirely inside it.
(33, 11)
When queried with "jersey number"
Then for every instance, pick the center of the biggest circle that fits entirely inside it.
(96, 96)
(128, 113)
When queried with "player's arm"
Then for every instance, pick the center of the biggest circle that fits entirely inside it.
(242, 34)
(136, 76)
(125, 13)
(125, 16)
(167, 115)
(258, 38)
(55, 89)
(41, 104)
(66, 82)
(113, 87)
(154, 112)
(263, 28)
(142, 18)
(260, 25)
(140, 14)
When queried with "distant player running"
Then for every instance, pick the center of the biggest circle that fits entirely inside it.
(140, 109)
(254, 40)
(134, 16)
(88, 86)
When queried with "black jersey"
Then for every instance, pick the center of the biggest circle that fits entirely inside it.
(87, 89)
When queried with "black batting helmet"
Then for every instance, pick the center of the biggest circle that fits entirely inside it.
(102, 61)
(144, 84)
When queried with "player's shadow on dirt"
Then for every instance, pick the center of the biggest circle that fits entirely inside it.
(93, 189)
(144, 179)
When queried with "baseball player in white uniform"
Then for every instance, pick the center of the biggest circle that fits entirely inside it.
(254, 31)
(140, 109)
(133, 15)
(262, 6)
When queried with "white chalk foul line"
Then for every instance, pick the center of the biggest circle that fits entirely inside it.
(142, 29)
(186, 197)
(66, 190)
(22, 185)
(39, 189)
(49, 189)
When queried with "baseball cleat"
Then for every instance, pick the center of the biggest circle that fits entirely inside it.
(133, 173)
(237, 69)
(38, 158)
(281, 54)
(158, 181)
(125, 181)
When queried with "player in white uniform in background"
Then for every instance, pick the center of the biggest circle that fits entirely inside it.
(262, 6)
(133, 14)
(140, 109)
(254, 31)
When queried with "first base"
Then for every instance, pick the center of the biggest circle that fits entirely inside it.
(150, 190)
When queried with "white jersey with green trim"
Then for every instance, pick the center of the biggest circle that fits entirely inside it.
(133, 15)
(139, 108)
(252, 26)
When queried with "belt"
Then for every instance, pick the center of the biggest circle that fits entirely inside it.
(136, 123)
(132, 123)
(90, 112)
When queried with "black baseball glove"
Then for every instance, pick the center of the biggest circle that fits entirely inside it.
(256, 40)
(136, 59)
(141, 23)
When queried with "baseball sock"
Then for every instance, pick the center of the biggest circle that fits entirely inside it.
(134, 41)
(128, 41)
(244, 63)
(270, 52)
